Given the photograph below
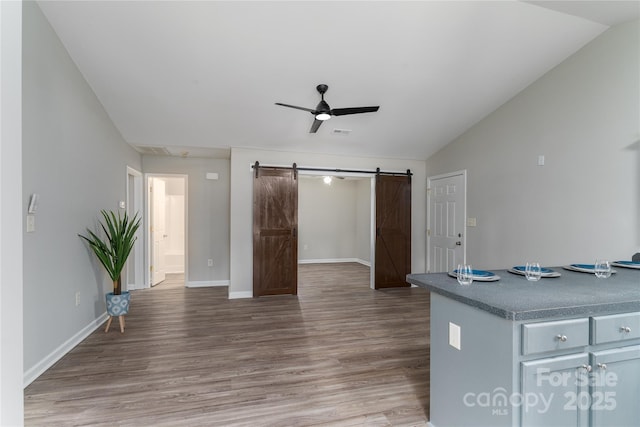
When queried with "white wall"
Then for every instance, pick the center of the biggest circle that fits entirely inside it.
(76, 160)
(329, 219)
(11, 209)
(364, 214)
(583, 116)
(241, 277)
(207, 214)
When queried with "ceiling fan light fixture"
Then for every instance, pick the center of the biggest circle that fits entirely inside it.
(323, 116)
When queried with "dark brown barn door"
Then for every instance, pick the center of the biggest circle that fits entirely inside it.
(393, 231)
(275, 232)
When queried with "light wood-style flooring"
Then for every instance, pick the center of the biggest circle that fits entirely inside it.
(338, 354)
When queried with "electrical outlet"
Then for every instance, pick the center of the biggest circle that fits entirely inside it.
(77, 299)
(454, 336)
(210, 262)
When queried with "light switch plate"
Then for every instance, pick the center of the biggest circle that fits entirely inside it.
(471, 222)
(454, 336)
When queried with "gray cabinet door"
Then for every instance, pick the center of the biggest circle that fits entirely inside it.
(615, 387)
(555, 392)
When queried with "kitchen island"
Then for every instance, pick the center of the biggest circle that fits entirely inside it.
(558, 352)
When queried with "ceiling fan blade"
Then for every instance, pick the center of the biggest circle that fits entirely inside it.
(314, 127)
(353, 110)
(297, 108)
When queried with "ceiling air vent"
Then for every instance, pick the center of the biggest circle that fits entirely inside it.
(147, 149)
(344, 132)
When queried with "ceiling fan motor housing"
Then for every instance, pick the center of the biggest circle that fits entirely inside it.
(323, 107)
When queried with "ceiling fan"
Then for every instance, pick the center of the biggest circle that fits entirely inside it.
(324, 112)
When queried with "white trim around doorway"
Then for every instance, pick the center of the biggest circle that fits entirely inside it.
(135, 204)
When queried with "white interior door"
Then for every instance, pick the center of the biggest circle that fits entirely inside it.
(447, 212)
(158, 229)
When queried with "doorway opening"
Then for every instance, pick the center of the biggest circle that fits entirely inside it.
(167, 219)
(336, 217)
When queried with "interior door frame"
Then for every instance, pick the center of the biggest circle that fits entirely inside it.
(135, 204)
(462, 172)
(148, 243)
(372, 212)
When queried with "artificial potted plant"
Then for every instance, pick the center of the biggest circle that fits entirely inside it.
(112, 252)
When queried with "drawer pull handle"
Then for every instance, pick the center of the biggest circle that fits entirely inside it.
(562, 338)
(625, 329)
(602, 365)
(586, 368)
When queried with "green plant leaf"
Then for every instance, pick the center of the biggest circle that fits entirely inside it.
(113, 251)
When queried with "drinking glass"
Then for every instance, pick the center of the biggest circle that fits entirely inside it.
(532, 271)
(464, 274)
(602, 268)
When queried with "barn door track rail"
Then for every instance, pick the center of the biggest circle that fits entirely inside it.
(256, 167)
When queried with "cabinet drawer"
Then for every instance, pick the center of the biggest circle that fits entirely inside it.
(616, 327)
(552, 336)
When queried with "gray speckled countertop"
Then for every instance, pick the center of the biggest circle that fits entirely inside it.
(514, 298)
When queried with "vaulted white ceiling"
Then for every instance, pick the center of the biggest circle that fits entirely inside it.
(202, 76)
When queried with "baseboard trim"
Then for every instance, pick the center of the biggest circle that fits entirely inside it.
(58, 353)
(134, 287)
(207, 283)
(238, 295)
(333, 261)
